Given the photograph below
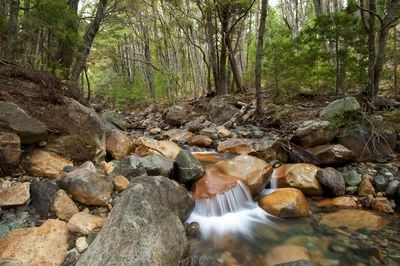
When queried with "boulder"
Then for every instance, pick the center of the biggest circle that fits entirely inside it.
(15, 195)
(129, 167)
(157, 165)
(285, 202)
(44, 245)
(236, 146)
(314, 133)
(381, 182)
(166, 148)
(354, 219)
(120, 183)
(118, 144)
(392, 188)
(85, 223)
(338, 203)
(87, 186)
(200, 141)
(339, 107)
(221, 109)
(332, 180)
(145, 226)
(178, 135)
(14, 119)
(64, 206)
(381, 204)
(188, 168)
(42, 196)
(176, 116)
(366, 188)
(10, 150)
(116, 119)
(352, 178)
(332, 154)
(45, 164)
(284, 254)
(210, 132)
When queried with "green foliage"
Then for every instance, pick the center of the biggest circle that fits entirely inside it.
(347, 119)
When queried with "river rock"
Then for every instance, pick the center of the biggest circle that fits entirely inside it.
(178, 135)
(157, 165)
(129, 167)
(302, 176)
(332, 154)
(210, 132)
(165, 148)
(85, 223)
(15, 195)
(87, 186)
(221, 109)
(338, 202)
(332, 180)
(223, 132)
(381, 182)
(285, 254)
(14, 119)
(120, 183)
(339, 107)
(44, 245)
(354, 219)
(381, 204)
(45, 164)
(145, 225)
(188, 168)
(118, 144)
(10, 150)
(116, 119)
(285, 202)
(42, 196)
(314, 133)
(392, 188)
(200, 141)
(64, 206)
(366, 188)
(352, 178)
(176, 116)
(81, 244)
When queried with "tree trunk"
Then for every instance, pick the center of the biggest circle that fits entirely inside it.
(396, 62)
(371, 49)
(222, 75)
(12, 33)
(235, 70)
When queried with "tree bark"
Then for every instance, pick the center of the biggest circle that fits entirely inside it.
(12, 33)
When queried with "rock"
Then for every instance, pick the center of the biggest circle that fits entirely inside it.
(366, 188)
(81, 244)
(85, 223)
(87, 186)
(285, 202)
(223, 132)
(107, 168)
(221, 109)
(351, 190)
(210, 132)
(339, 107)
(15, 195)
(332, 154)
(236, 146)
(13, 221)
(178, 135)
(71, 258)
(145, 225)
(381, 182)
(166, 148)
(223, 175)
(285, 254)
(314, 133)
(10, 150)
(155, 131)
(120, 183)
(332, 180)
(188, 169)
(392, 188)
(338, 202)
(64, 206)
(302, 263)
(45, 164)
(302, 176)
(352, 178)
(116, 119)
(200, 141)
(44, 245)
(157, 165)
(129, 167)
(42, 196)
(354, 219)
(228, 259)
(14, 119)
(176, 116)
(200, 260)
(381, 204)
(118, 144)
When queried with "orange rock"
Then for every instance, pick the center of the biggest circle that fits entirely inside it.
(120, 183)
(381, 204)
(338, 202)
(45, 163)
(285, 254)
(118, 144)
(207, 157)
(354, 219)
(166, 148)
(285, 202)
(85, 223)
(200, 141)
(366, 188)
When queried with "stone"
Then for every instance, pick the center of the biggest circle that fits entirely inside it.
(285, 254)
(165, 148)
(118, 144)
(354, 219)
(157, 165)
(223, 132)
(81, 244)
(178, 135)
(45, 164)
(120, 183)
(332, 181)
(200, 141)
(85, 223)
(63, 206)
(381, 204)
(87, 186)
(236, 146)
(145, 225)
(338, 203)
(71, 258)
(351, 190)
(366, 188)
(15, 120)
(155, 131)
(392, 188)
(303, 263)
(302, 176)
(200, 260)
(381, 183)
(314, 133)
(176, 116)
(352, 178)
(221, 109)
(210, 132)
(129, 167)
(285, 202)
(106, 167)
(116, 119)
(339, 107)
(42, 196)
(44, 245)
(10, 150)
(15, 195)
(188, 168)
(332, 154)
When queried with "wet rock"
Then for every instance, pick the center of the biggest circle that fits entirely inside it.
(14, 195)
(120, 183)
(380, 182)
(10, 150)
(129, 167)
(157, 165)
(200, 260)
(285, 202)
(118, 144)
(285, 254)
(176, 116)
(145, 225)
(188, 169)
(200, 141)
(338, 202)
(392, 188)
(85, 223)
(81, 244)
(332, 181)
(339, 107)
(64, 206)
(381, 204)
(366, 188)
(165, 148)
(221, 109)
(302, 176)
(354, 219)
(332, 154)
(42, 196)
(236, 146)
(178, 135)
(87, 186)
(228, 259)
(352, 178)
(44, 245)
(314, 133)
(14, 119)
(45, 164)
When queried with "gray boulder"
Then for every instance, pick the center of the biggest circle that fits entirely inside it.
(130, 167)
(313, 133)
(332, 180)
(157, 165)
(176, 116)
(221, 109)
(340, 106)
(332, 154)
(188, 169)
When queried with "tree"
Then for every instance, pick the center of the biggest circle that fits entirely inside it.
(12, 33)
